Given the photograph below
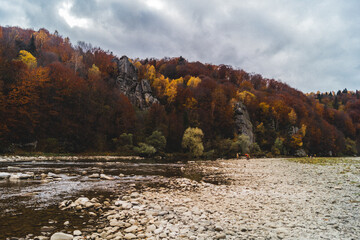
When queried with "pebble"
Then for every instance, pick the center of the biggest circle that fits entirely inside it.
(129, 236)
(61, 236)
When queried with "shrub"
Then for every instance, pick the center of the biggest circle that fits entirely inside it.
(157, 140)
(241, 145)
(278, 147)
(192, 141)
(145, 150)
(124, 144)
(255, 149)
(50, 145)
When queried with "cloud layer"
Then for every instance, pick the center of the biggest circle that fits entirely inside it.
(311, 45)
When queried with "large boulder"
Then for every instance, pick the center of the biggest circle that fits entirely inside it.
(243, 124)
(138, 92)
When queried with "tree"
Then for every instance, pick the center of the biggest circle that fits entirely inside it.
(160, 84)
(145, 150)
(192, 141)
(28, 59)
(40, 38)
(246, 97)
(171, 89)
(94, 73)
(277, 148)
(292, 117)
(193, 82)
(350, 147)
(241, 145)
(157, 140)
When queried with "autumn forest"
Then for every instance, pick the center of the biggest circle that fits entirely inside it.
(66, 98)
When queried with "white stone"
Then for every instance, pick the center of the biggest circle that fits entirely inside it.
(132, 229)
(106, 177)
(129, 236)
(61, 236)
(94, 175)
(4, 175)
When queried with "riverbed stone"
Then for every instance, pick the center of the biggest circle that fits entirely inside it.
(106, 177)
(94, 175)
(41, 238)
(132, 229)
(81, 201)
(77, 233)
(61, 236)
(220, 236)
(4, 175)
(130, 236)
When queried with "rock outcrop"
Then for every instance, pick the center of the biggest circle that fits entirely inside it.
(138, 92)
(243, 124)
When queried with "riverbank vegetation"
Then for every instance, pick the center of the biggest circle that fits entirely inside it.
(62, 98)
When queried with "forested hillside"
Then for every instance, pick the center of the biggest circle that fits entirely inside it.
(67, 99)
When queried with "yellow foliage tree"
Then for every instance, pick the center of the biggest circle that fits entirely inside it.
(292, 117)
(264, 107)
(190, 103)
(28, 59)
(150, 73)
(193, 82)
(302, 130)
(137, 65)
(159, 84)
(245, 96)
(171, 89)
(94, 73)
(296, 139)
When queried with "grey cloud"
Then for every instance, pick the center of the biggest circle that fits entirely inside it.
(312, 45)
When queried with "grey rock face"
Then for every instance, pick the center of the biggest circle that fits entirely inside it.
(243, 124)
(138, 92)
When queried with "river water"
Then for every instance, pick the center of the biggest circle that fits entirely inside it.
(26, 206)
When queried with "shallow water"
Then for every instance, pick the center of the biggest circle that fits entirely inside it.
(28, 205)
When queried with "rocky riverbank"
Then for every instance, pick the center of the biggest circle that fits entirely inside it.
(16, 158)
(257, 199)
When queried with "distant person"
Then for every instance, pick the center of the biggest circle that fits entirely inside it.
(247, 156)
(237, 155)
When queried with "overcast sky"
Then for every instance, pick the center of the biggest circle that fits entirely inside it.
(309, 44)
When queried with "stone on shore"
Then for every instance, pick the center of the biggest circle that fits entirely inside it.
(77, 233)
(130, 236)
(106, 177)
(61, 236)
(4, 175)
(94, 175)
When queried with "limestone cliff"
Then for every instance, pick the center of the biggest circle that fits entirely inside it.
(138, 92)
(243, 124)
